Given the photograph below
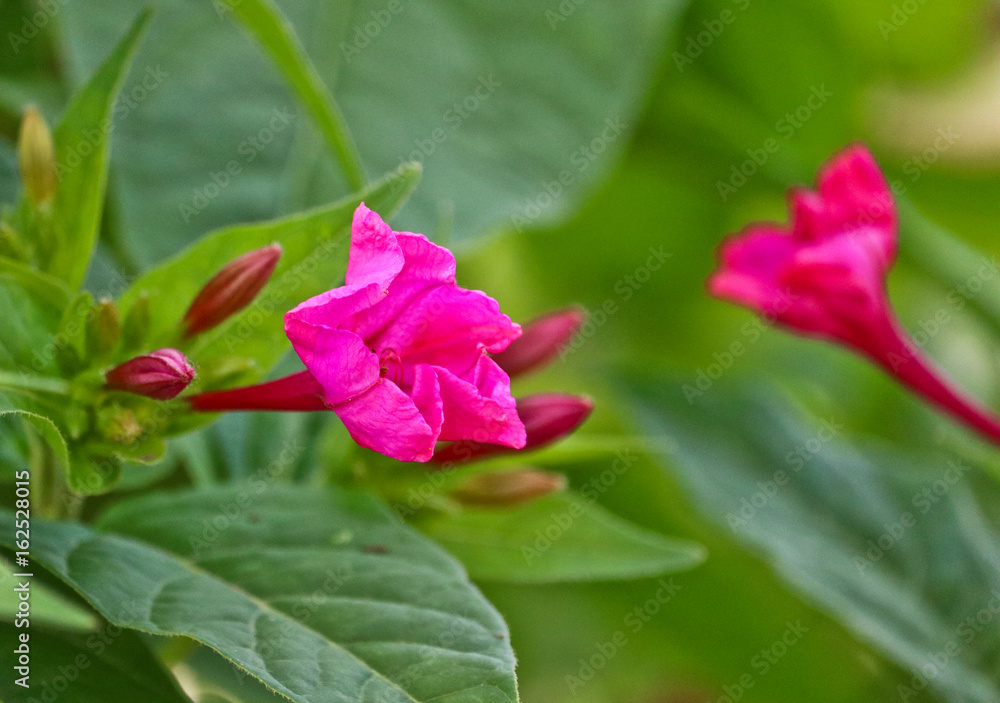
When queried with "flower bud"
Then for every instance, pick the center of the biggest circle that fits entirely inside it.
(231, 289)
(104, 329)
(36, 157)
(136, 324)
(547, 417)
(542, 339)
(160, 375)
(508, 488)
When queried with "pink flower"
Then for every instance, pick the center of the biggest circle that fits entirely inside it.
(825, 277)
(400, 352)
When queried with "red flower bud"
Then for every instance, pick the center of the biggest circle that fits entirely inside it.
(547, 417)
(541, 340)
(231, 289)
(160, 375)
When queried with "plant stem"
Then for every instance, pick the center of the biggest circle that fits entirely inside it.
(30, 382)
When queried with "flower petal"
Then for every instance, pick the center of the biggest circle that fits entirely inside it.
(338, 359)
(387, 421)
(480, 407)
(751, 265)
(449, 326)
(852, 192)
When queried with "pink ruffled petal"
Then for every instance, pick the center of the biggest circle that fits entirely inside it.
(449, 326)
(387, 421)
(852, 193)
(338, 359)
(376, 256)
(480, 407)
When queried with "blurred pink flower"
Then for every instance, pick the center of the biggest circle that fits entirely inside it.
(400, 352)
(825, 277)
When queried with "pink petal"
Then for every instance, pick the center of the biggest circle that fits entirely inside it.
(376, 256)
(449, 326)
(480, 407)
(852, 193)
(387, 421)
(338, 359)
(751, 265)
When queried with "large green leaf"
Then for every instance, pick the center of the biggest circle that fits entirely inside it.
(314, 258)
(112, 666)
(555, 539)
(550, 81)
(322, 595)
(897, 547)
(82, 139)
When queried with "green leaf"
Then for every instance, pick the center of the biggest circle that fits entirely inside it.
(47, 605)
(817, 509)
(314, 259)
(47, 288)
(112, 666)
(27, 331)
(82, 153)
(277, 36)
(555, 539)
(322, 595)
(48, 432)
(398, 88)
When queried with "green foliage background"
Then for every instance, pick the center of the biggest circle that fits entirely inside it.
(647, 107)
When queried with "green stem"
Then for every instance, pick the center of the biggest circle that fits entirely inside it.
(275, 34)
(29, 382)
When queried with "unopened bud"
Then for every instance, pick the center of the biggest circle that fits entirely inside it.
(36, 157)
(136, 325)
(540, 342)
(547, 417)
(160, 375)
(231, 289)
(508, 488)
(104, 329)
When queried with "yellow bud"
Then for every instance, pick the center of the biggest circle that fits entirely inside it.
(508, 488)
(104, 329)
(36, 156)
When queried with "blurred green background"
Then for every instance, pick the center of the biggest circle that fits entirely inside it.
(563, 142)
